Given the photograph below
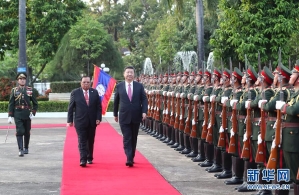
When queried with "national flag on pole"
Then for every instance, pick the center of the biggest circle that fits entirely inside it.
(104, 84)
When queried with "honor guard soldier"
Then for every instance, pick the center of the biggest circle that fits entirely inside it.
(248, 80)
(213, 134)
(21, 110)
(232, 128)
(290, 128)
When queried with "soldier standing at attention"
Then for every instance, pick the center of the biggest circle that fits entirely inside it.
(20, 109)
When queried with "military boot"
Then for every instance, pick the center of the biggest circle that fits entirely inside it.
(284, 192)
(187, 149)
(181, 142)
(238, 168)
(194, 147)
(296, 188)
(209, 151)
(26, 143)
(216, 167)
(176, 139)
(226, 165)
(20, 145)
(201, 156)
(171, 135)
(244, 186)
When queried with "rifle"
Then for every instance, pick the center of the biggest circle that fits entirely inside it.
(158, 97)
(260, 154)
(221, 139)
(206, 120)
(232, 142)
(272, 162)
(246, 146)
(181, 121)
(209, 137)
(195, 122)
(187, 129)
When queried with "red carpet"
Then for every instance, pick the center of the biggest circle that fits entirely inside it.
(109, 175)
(33, 126)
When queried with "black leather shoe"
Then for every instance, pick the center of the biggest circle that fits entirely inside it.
(243, 187)
(89, 162)
(224, 175)
(129, 163)
(170, 143)
(198, 158)
(26, 151)
(83, 164)
(185, 151)
(215, 168)
(206, 163)
(175, 145)
(21, 153)
(191, 154)
(234, 181)
(265, 192)
(207, 169)
(180, 148)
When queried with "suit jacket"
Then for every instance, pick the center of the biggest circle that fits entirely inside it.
(130, 111)
(84, 114)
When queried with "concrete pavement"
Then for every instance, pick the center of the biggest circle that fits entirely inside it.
(40, 171)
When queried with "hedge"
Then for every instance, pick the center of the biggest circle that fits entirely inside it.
(49, 106)
(64, 87)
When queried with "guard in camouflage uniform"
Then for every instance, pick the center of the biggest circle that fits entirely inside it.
(21, 110)
(290, 129)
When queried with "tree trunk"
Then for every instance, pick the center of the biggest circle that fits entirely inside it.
(22, 64)
(200, 32)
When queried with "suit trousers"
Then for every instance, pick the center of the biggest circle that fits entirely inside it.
(86, 142)
(130, 133)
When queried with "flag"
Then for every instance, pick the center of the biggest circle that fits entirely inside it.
(104, 84)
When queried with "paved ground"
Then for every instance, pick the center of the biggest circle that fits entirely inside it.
(40, 171)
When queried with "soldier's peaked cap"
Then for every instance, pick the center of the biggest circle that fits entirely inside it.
(199, 72)
(252, 73)
(21, 75)
(237, 73)
(207, 73)
(285, 72)
(217, 72)
(226, 73)
(267, 74)
(186, 73)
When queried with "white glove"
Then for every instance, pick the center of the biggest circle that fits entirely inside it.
(274, 125)
(232, 133)
(259, 139)
(168, 94)
(212, 97)
(10, 119)
(273, 144)
(232, 102)
(223, 99)
(181, 117)
(245, 137)
(164, 111)
(186, 119)
(279, 104)
(247, 104)
(193, 122)
(204, 98)
(165, 93)
(221, 130)
(171, 114)
(261, 102)
(195, 98)
(172, 94)
(182, 95)
(31, 116)
(210, 125)
(177, 95)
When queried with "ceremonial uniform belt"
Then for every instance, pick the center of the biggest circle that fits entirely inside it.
(255, 119)
(286, 124)
(271, 118)
(22, 107)
(241, 116)
(229, 114)
(218, 112)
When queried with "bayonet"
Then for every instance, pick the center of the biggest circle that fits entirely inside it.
(232, 81)
(260, 75)
(280, 76)
(247, 78)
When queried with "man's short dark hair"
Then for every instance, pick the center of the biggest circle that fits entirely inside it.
(129, 67)
(85, 77)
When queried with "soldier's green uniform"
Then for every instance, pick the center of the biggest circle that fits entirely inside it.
(22, 105)
(290, 130)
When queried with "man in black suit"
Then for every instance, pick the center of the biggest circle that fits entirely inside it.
(86, 104)
(131, 98)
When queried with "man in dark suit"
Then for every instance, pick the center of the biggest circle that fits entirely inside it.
(131, 98)
(86, 104)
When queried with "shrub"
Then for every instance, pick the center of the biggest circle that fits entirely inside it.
(64, 87)
(5, 88)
